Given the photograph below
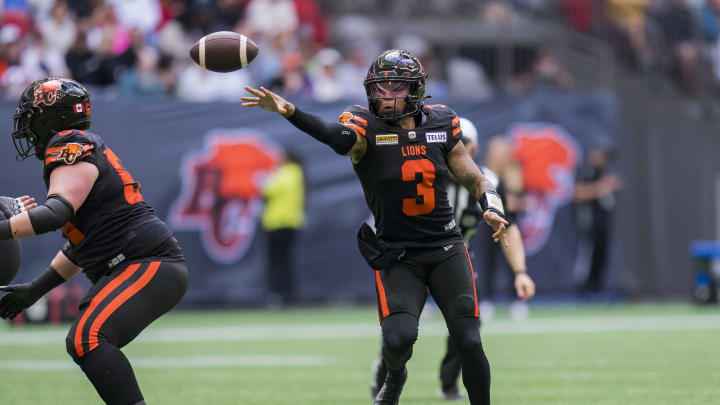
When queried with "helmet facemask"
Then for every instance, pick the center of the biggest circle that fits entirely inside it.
(395, 89)
(24, 139)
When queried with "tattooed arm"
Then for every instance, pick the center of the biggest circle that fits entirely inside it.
(469, 175)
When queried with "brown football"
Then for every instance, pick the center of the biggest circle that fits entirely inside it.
(224, 51)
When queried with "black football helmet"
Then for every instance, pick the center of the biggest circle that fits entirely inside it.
(391, 73)
(46, 107)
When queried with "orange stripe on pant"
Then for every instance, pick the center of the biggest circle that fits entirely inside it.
(127, 273)
(381, 295)
(119, 300)
(472, 274)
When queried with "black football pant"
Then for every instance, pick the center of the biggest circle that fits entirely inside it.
(116, 309)
(402, 290)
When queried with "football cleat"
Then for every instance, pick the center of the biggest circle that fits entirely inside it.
(391, 390)
(379, 372)
(453, 394)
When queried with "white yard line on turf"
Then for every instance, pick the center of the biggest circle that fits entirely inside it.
(284, 331)
(177, 362)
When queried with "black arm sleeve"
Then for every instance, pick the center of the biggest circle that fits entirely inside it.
(46, 281)
(339, 137)
(52, 215)
(5, 230)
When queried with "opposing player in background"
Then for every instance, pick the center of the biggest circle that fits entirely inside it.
(403, 151)
(136, 266)
(469, 216)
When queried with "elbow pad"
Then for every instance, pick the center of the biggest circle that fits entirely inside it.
(337, 136)
(52, 215)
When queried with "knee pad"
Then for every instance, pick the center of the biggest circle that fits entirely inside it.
(463, 305)
(399, 340)
(399, 332)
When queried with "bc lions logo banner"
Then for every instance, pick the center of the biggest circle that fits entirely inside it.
(221, 193)
(548, 156)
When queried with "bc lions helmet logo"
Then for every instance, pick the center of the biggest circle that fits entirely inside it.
(47, 92)
(221, 193)
(548, 156)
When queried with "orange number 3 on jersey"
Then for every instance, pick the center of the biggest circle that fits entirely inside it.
(425, 188)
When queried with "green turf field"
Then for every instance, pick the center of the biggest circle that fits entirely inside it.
(640, 354)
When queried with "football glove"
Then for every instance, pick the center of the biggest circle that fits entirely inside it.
(21, 296)
(10, 206)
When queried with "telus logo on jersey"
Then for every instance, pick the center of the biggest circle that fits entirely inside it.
(548, 156)
(436, 137)
(221, 194)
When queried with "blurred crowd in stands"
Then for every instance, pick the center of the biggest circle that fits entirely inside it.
(673, 41)
(320, 49)
(138, 48)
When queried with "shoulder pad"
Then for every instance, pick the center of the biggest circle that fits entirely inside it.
(355, 117)
(68, 147)
(445, 116)
(71, 135)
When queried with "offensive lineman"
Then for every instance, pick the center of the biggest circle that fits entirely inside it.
(135, 264)
(402, 152)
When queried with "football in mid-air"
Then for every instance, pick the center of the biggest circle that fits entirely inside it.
(224, 51)
(10, 258)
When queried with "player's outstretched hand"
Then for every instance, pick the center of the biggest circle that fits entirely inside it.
(524, 286)
(267, 100)
(13, 206)
(498, 224)
(18, 297)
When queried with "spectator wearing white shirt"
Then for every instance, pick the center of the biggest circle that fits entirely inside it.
(59, 29)
(269, 17)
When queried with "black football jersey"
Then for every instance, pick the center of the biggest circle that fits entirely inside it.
(404, 175)
(114, 224)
